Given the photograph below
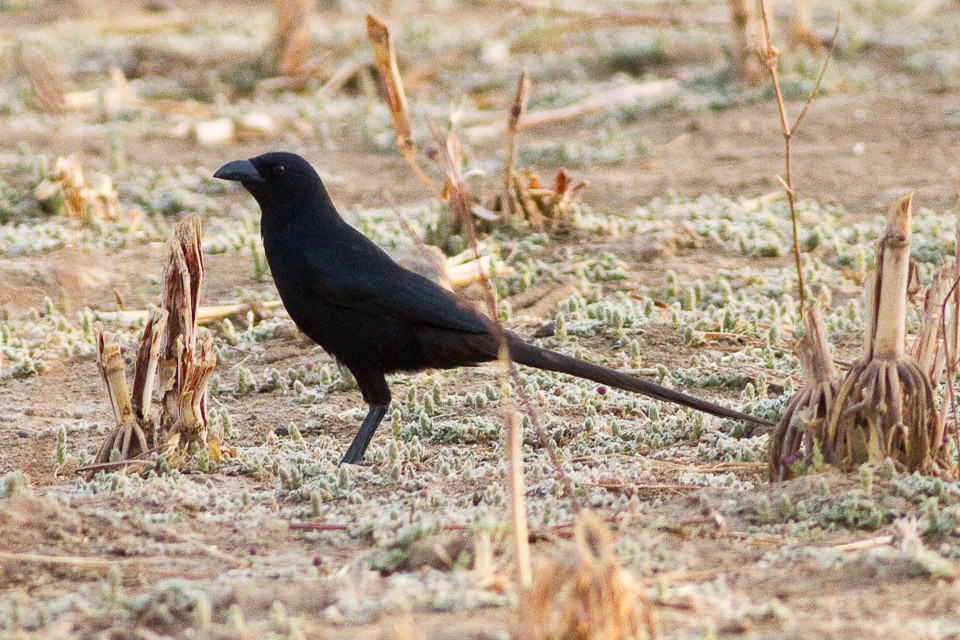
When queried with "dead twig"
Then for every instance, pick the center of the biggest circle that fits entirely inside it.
(770, 55)
(341, 76)
(460, 208)
(386, 60)
(859, 545)
(608, 99)
(73, 561)
(509, 203)
(205, 315)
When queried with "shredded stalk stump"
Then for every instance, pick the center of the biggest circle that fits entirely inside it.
(173, 356)
(800, 431)
(885, 405)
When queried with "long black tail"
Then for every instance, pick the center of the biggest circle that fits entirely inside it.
(532, 356)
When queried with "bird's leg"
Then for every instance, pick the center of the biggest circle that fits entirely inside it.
(373, 386)
(360, 442)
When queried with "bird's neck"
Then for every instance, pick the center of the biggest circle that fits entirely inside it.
(314, 209)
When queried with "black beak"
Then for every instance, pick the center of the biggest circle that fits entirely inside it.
(239, 171)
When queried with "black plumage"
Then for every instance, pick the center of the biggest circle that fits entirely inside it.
(374, 316)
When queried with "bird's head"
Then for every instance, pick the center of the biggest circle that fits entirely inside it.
(284, 185)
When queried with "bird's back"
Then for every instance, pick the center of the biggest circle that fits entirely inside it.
(355, 301)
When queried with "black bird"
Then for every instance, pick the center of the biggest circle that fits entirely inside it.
(374, 316)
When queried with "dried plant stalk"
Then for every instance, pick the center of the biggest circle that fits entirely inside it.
(386, 60)
(515, 487)
(509, 203)
(801, 26)
(148, 354)
(950, 329)
(745, 67)
(801, 429)
(885, 405)
(128, 438)
(65, 192)
(953, 309)
(626, 95)
(770, 55)
(587, 594)
(186, 362)
(134, 432)
(927, 344)
(291, 48)
(546, 208)
(170, 346)
(460, 208)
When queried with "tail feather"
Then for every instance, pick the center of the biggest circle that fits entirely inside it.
(533, 356)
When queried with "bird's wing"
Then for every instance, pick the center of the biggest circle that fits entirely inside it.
(368, 280)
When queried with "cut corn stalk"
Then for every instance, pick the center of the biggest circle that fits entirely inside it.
(186, 358)
(885, 405)
(66, 192)
(927, 347)
(542, 207)
(171, 354)
(801, 429)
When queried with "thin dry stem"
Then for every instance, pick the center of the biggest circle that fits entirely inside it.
(618, 96)
(386, 60)
(932, 331)
(950, 360)
(517, 110)
(770, 55)
(953, 332)
(460, 207)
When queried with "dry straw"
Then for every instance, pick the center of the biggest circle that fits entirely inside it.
(585, 593)
(459, 208)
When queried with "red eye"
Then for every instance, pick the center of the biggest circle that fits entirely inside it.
(278, 170)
